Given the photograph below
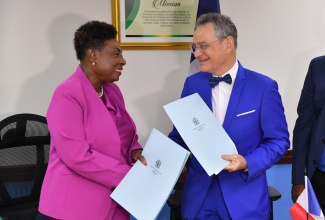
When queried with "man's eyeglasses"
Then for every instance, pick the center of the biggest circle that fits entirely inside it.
(202, 47)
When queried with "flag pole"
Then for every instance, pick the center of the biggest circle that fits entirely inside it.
(306, 188)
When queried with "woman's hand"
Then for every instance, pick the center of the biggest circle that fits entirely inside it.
(136, 155)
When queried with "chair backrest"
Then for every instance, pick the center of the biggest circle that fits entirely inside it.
(24, 149)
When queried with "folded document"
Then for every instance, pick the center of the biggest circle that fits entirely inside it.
(202, 132)
(145, 189)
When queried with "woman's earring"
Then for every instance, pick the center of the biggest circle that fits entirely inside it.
(93, 63)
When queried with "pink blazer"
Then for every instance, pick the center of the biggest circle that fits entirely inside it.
(85, 161)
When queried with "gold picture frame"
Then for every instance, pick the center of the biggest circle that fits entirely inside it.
(181, 42)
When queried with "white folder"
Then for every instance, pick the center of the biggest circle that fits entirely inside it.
(145, 189)
(202, 132)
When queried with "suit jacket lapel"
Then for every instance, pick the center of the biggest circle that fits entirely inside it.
(235, 96)
(207, 92)
(202, 87)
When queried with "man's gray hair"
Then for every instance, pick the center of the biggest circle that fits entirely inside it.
(223, 26)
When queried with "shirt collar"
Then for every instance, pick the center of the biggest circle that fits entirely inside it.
(233, 71)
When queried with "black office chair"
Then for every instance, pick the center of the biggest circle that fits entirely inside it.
(24, 149)
(274, 196)
(175, 199)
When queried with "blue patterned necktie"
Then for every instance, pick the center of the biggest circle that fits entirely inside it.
(215, 80)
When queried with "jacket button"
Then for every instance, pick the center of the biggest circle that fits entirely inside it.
(323, 141)
(314, 161)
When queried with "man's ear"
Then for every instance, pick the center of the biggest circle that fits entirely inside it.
(229, 44)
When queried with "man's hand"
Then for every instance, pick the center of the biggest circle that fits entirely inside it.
(238, 162)
(296, 190)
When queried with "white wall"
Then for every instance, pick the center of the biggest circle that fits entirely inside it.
(277, 38)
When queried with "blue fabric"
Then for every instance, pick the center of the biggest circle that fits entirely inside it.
(214, 206)
(313, 205)
(309, 131)
(206, 6)
(261, 137)
(321, 164)
(19, 189)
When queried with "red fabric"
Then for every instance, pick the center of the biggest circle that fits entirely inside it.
(299, 213)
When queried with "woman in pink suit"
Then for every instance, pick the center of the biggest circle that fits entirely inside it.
(93, 138)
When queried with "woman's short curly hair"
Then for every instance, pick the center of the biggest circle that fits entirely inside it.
(92, 35)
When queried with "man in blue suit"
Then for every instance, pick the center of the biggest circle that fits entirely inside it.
(249, 107)
(309, 134)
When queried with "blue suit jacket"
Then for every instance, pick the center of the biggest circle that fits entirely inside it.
(261, 137)
(309, 131)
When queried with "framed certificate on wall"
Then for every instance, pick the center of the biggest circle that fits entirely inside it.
(154, 24)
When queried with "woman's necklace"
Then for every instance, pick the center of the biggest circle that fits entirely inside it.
(101, 93)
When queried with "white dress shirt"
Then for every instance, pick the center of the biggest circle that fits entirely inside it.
(221, 94)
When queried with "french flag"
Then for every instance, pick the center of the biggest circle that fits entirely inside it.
(204, 6)
(307, 206)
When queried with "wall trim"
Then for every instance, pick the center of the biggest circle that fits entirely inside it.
(286, 159)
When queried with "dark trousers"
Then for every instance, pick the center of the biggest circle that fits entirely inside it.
(40, 216)
(318, 183)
